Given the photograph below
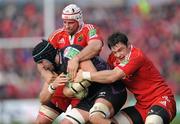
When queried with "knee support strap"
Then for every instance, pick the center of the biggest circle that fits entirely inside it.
(75, 117)
(154, 119)
(48, 112)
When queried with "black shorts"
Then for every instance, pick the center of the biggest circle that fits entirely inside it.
(115, 93)
(53, 106)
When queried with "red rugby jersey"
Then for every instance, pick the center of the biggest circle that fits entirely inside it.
(60, 38)
(142, 78)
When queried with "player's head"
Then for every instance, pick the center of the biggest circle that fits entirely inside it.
(118, 43)
(72, 18)
(45, 54)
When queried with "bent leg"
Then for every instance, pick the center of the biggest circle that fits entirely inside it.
(76, 116)
(157, 115)
(154, 119)
(129, 115)
(101, 110)
(46, 115)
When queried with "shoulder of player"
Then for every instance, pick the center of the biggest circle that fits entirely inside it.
(137, 53)
(89, 26)
(56, 32)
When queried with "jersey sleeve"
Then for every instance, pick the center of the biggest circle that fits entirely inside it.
(71, 51)
(132, 65)
(92, 33)
(54, 37)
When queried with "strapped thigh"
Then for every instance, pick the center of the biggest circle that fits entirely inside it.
(133, 114)
(75, 116)
(161, 113)
(48, 112)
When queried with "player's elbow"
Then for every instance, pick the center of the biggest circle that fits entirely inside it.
(96, 46)
(111, 79)
(43, 99)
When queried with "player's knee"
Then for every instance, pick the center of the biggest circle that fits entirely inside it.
(95, 119)
(74, 117)
(100, 110)
(46, 116)
(43, 120)
(66, 121)
(120, 118)
(154, 119)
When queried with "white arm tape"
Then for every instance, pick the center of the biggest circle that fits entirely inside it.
(86, 75)
(81, 85)
(50, 89)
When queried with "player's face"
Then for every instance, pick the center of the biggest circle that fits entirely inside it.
(47, 65)
(71, 26)
(120, 51)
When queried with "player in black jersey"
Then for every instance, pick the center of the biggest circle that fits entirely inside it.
(101, 100)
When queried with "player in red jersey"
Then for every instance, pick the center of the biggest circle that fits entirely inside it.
(155, 100)
(75, 31)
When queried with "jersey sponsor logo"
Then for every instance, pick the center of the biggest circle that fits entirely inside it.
(151, 111)
(70, 52)
(92, 33)
(102, 94)
(124, 62)
(166, 98)
(80, 38)
(163, 103)
(61, 41)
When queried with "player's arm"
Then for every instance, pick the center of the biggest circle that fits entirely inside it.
(92, 49)
(45, 95)
(50, 87)
(45, 74)
(106, 76)
(86, 66)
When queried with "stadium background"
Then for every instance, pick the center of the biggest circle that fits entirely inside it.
(153, 25)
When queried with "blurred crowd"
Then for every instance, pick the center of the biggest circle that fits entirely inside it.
(157, 32)
(21, 19)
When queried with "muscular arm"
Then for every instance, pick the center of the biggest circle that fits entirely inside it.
(49, 78)
(92, 49)
(45, 95)
(105, 77)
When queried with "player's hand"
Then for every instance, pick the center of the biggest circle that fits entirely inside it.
(60, 81)
(46, 74)
(78, 77)
(72, 67)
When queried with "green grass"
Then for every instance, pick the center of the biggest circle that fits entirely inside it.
(176, 120)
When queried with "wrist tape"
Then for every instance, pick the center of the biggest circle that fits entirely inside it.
(51, 89)
(86, 75)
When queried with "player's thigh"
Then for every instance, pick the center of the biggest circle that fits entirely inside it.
(129, 115)
(46, 115)
(115, 94)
